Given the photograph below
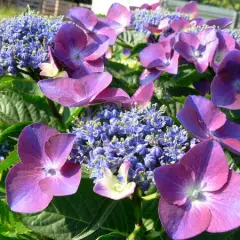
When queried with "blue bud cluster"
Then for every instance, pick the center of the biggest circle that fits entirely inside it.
(3, 151)
(145, 137)
(143, 17)
(24, 41)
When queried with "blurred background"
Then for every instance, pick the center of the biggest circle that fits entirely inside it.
(207, 8)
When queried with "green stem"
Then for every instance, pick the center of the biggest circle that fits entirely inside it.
(55, 113)
(74, 115)
(136, 232)
(153, 196)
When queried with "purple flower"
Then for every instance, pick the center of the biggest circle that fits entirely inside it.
(75, 92)
(226, 43)
(198, 194)
(118, 17)
(204, 120)
(225, 86)
(44, 171)
(79, 51)
(158, 57)
(153, 6)
(198, 49)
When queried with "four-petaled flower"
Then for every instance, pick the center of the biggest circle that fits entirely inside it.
(226, 84)
(204, 120)
(158, 57)
(44, 171)
(198, 49)
(199, 193)
(115, 187)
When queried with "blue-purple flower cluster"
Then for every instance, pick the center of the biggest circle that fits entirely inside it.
(24, 41)
(145, 137)
(3, 151)
(143, 17)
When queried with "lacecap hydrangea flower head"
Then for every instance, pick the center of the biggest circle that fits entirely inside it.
(24, 41)
(145, 138)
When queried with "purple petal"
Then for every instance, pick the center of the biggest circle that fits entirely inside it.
(182, 222)
(149, 75)
(179, 24)
(226, 43)
(224, 205)
(227, 79)
(229, 136)
(173, 182)
(223, 94)
(189, 8)
(23, 192)
(119, 14)
(219, 22)
(103, 29)
(111, 95)
(208, 162)
(69, 43)
(200, 116)
(152, 56)
(31, 143)
(141, 97)
(173, 66)
(84, 17)
(75, 92)
(65, 182)
(185, 50)
(88, 67)
(58, 148)
(96, 48)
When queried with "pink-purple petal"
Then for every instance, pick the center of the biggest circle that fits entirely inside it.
(173, 182)
(75, 92)
(149, 75)
(182, 222)
(229, 136)
(200, 116)
(84, 17)
(224, 205)
(31, 143)
(111, 95)
(23, 192)
(210, 168)
(120, 14)
(151, 56)
(219, 22)
(65, 182)
(141, 97)
(58, 148)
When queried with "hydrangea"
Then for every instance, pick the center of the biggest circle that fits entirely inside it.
(143, 17)
(3, 151)
(145, 137)
(24, 40)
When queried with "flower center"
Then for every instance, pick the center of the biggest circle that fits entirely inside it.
(118, 187)
(197, 54)
(51, 172)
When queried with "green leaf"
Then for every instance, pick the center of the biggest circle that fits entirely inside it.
(10, 223)
(10, 160)
(66, 217)
(131, 39)
(19, 85)
(15, 108)
(12, 131)
(150, 214)
(111, 236)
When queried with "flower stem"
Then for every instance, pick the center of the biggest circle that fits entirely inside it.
(55, 113)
